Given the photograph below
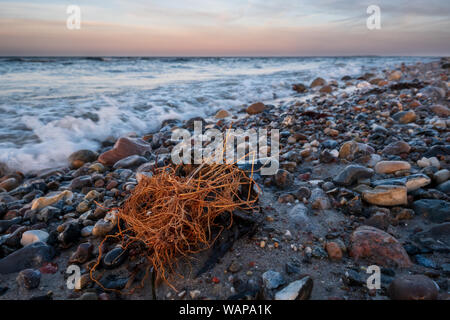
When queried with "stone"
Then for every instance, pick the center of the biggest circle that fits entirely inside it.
(444, 187)
(334, 250)
(299, 87)
(30, 256)
(6, 224)
(351, 174)
(272, 279)
(319, 200)
(424, 261)
(396, 148)
(436, 211)
(123, 148)
(92, 195)
(441, 176)
(9, 184)
(437, 150)
(82, 254)
(440, 110)
(413, 287)
(29, 278)
(81, 182)
(86, 231)
(386, 195)
(130, 162)
(379, 220)
(256, 108)
(405, 117)
(318, 82)
(437, 238)
(105, 225)
(395, 76)
(221, 114)
(377, 247)
(97, 167)
(392, 166)
(326, 89)
(283, 179)
(351, 150)
(114, 258)
(299, 215)
(69, 235)
(411, 182)
(297, 290)
(43, 202)
(80, 157)
(88, 296)
(32, 236)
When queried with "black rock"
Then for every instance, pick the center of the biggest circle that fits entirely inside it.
(5, 224)
(30, 256)
(114, 258)
(351, 174)
(29, 278)
(436, 238)
(437, 150)
(70, 235)
(437, 211)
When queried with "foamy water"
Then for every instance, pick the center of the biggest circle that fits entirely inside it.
(51, 107)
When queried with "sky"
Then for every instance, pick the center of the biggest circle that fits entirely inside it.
(224, 28)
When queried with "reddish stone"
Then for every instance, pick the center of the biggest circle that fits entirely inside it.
(378, 247)
(123, 148)
(413, 287)
(334, 251)
(256, 108)
(49, 268)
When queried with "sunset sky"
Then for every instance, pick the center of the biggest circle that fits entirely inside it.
(224, 28)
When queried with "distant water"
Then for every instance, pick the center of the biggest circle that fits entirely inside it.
(50, 107)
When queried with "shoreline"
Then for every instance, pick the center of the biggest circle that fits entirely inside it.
(338, 152)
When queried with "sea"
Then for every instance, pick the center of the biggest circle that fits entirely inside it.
(53, 106)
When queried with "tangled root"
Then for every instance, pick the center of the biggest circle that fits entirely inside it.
(173, 211)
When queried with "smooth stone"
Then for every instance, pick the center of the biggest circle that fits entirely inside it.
(43, 202)
(395, 76)
(351, 174)
(377, 247)
(283, 179)
(413, 287)
(256, 108)
(319, 200)
(396, 148)
(114, 258)
(444, 187)
(133, 161)
(5, 224)
(299, 87)
(29, 278)
(9, 184)
(334, 250)
(437, 211)
(86, 231)
(272, 279)
(221, 114)
(31, 256)
(411, 182)
(318, 82)
(97, 167)
(441, 176)
(437, 150)
(79, 158)
(297, 290)
(32, 236)
(102, 227)
(440, 110)
(392, 166)
(386, 195)
(123, 148)
(352, 149)
(405, 117)
(81, 182)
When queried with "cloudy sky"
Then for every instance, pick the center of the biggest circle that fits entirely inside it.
(224, 28)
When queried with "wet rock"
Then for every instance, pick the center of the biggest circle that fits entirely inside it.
(70, 234)
(438, 150)
(392, 166)
(319, 200)
(299, 215)
(29, 278)
(326, 89)
(221, 114)
(79, 158)
(437, 211)
(88, 296)
(386, 195)
(9, 184)
(318, 82)
(82, 254)
(444, 187)
(130, 162)
(351, 150)
(297, 290)
(411, 182)
(123, 148)
(81, 182)
(256, 108)
(377, 247)
(395, 76)
(105, 225)
(299, 87)
(440, 110)
(405, 117)
(87, 231)
(30, 256)
(397, 148)
(283, 179)
(436, 238)
(334, 250)
(351, 174)
(33, 236)
(272, 279)
(43, 202)
(5, 224)
(413, 287)
(441, 176)
(114, 258)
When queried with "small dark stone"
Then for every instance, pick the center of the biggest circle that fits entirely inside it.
(29, 278)
(114, 258)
